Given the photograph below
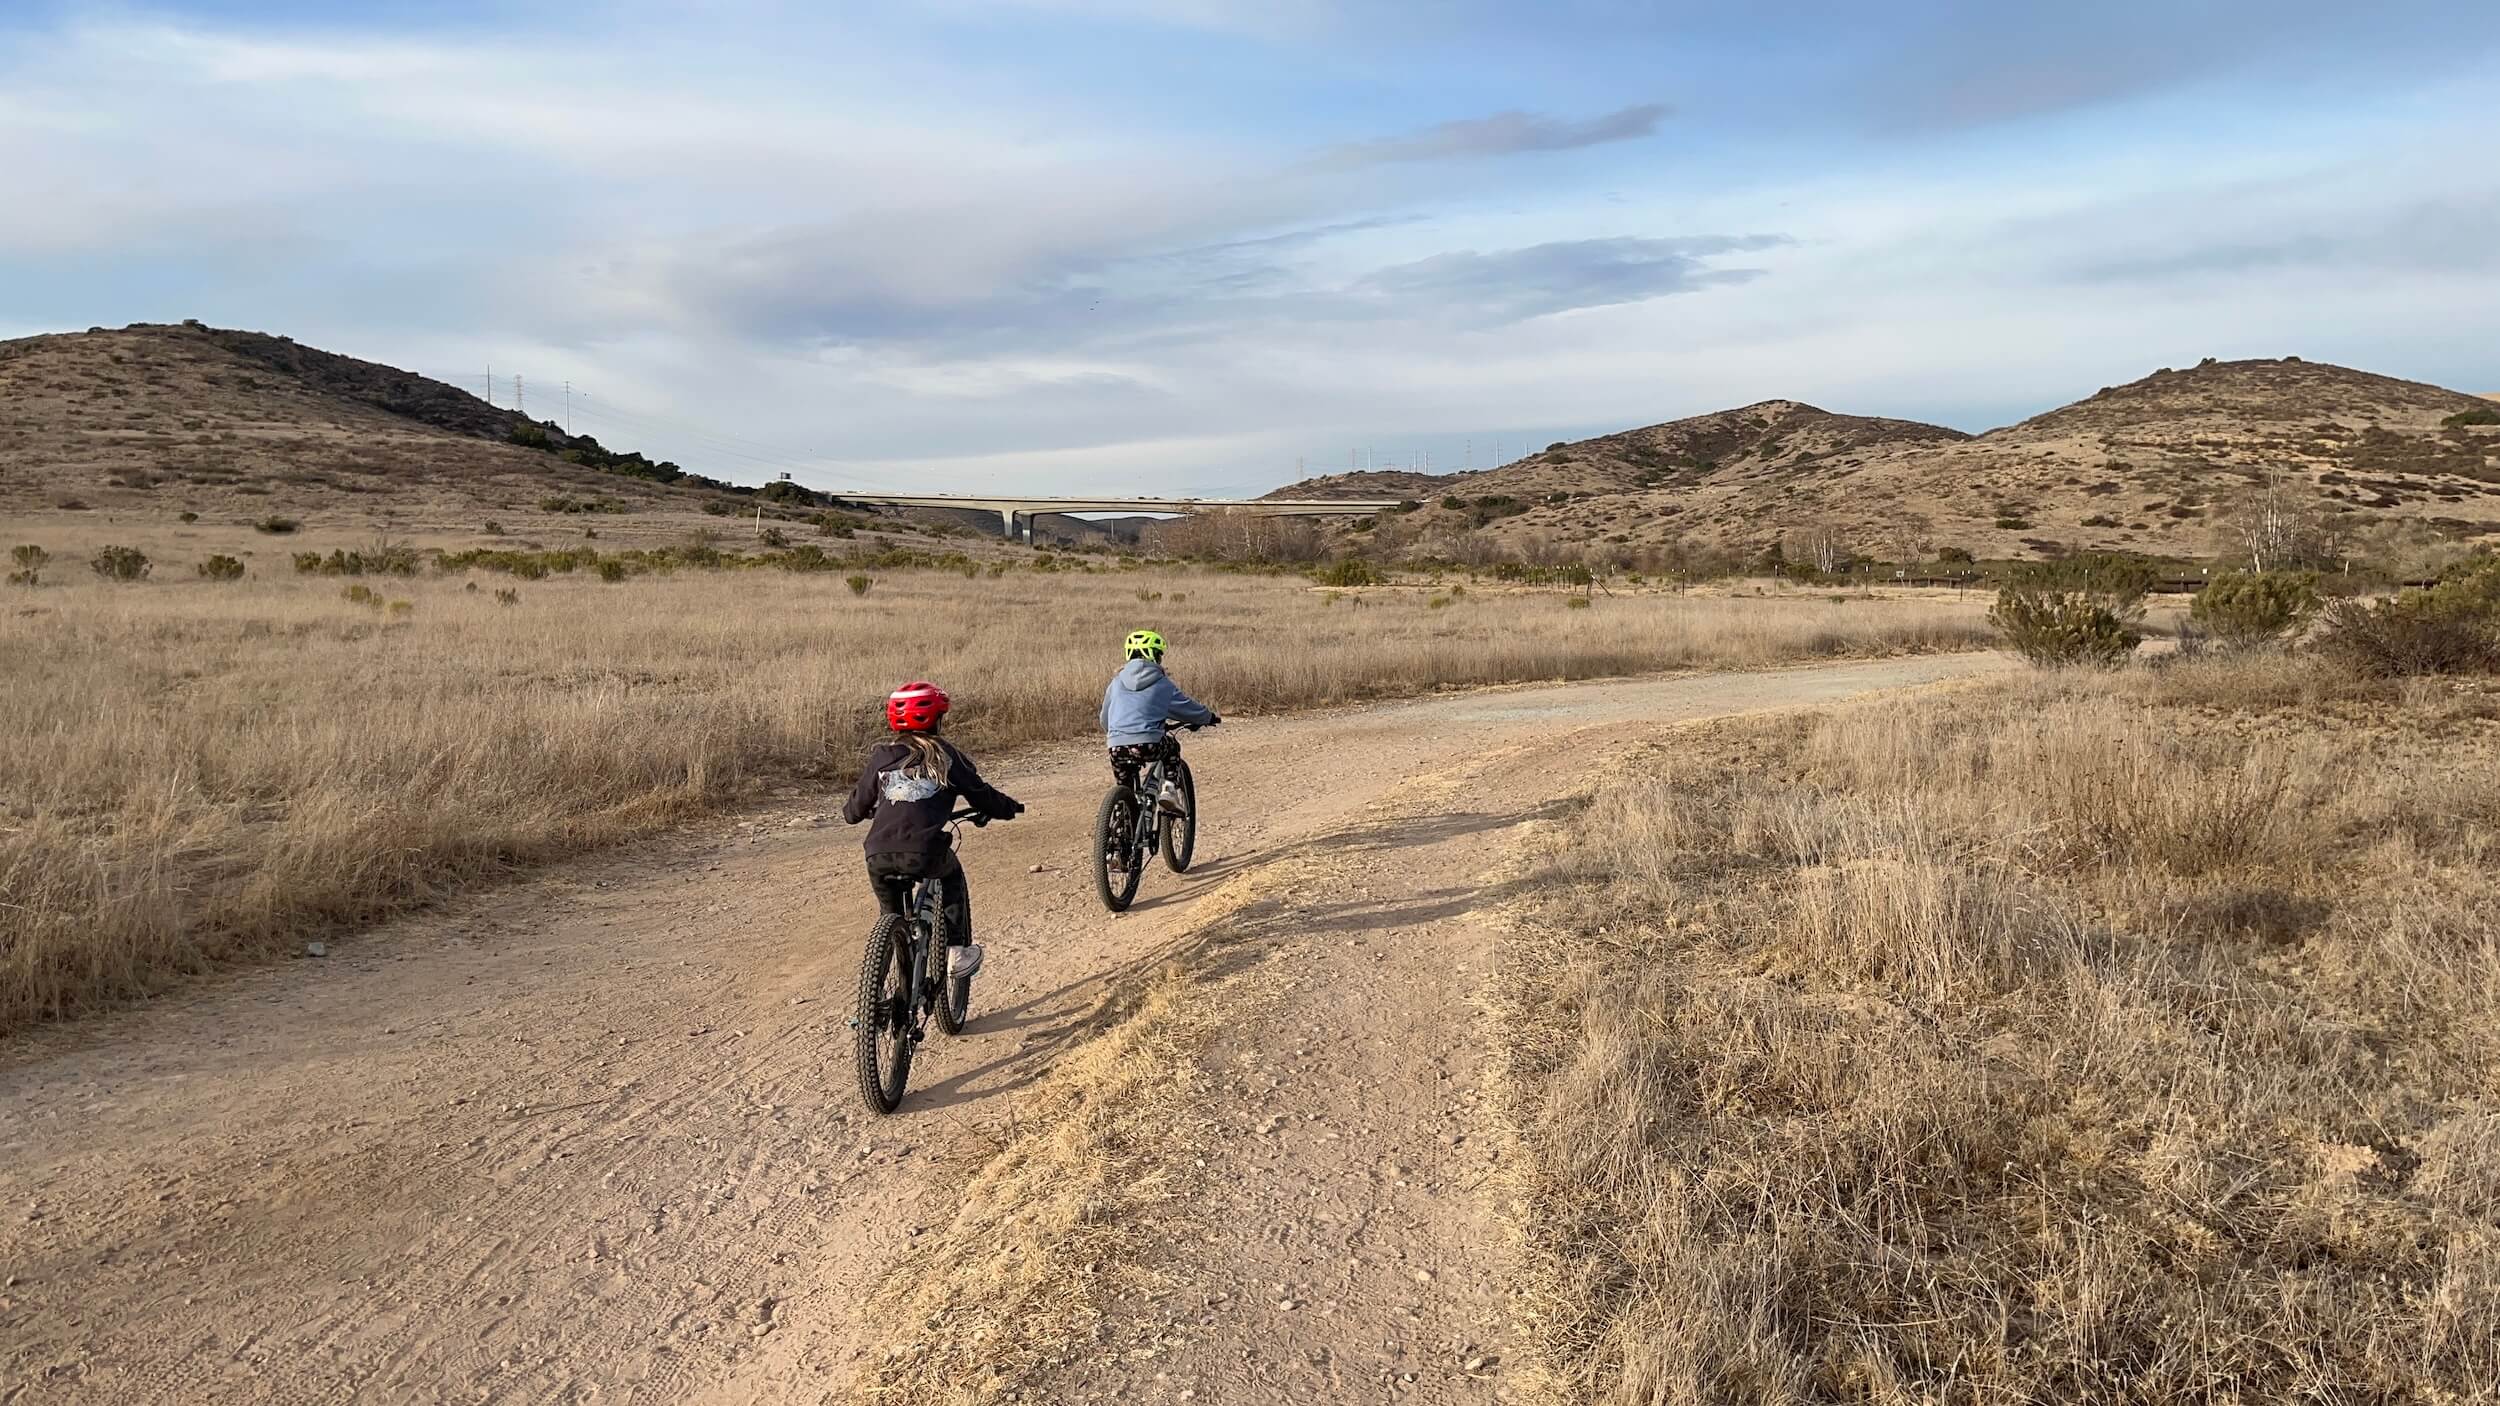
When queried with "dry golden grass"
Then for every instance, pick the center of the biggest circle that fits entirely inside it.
(2081, 1039)
(197, 771)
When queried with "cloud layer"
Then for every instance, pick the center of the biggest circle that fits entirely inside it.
(1086, 243)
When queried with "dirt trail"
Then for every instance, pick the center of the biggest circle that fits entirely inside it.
(595, 1137)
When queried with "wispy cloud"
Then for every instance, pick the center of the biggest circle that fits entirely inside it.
(1502, 134)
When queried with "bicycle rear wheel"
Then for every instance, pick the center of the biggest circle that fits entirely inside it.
(883, 1024)
(1177, 835)
(1117, 865)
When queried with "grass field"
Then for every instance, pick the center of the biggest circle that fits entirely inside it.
(2123, 1037)
(195, 772)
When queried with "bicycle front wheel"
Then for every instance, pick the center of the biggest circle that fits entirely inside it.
(1177, 835)
(954, 1003)
(1117, 865)
(884, 1019)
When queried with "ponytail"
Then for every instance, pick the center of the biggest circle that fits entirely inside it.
(929, 756)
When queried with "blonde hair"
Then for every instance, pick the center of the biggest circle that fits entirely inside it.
(929, 756)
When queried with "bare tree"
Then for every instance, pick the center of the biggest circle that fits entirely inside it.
(1911, 536)
(2277, 526)
(1822, 546)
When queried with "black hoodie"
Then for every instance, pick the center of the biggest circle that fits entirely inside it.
(910, 813)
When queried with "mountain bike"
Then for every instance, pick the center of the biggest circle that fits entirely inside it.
(903, 982)
(1152, 810)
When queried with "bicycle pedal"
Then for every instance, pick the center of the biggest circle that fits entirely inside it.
(852, 1022)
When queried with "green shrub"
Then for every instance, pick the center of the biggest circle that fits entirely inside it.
(276, 526)
(2451, 628)
(1348, 571)
(1954, 556)
(2081, 609)
(2464, 418)
(221, 568)
(308, 563)
(859, 584)
(2013, 524)
(360, 594)
(612, 571)
(529, 568)
(507, 596)
(1439, 602)
(493, 528)
(31, 561)
(1578, 602)
(189, 517)
(402, 609)
(775, 537)
(121, 564)
(2248, 608)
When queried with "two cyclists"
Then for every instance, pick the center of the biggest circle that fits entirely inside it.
(910, 782)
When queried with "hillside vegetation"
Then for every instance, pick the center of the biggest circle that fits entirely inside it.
(150, 422)
(2158, 467)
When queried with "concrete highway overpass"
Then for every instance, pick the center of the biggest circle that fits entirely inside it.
(1017, 514)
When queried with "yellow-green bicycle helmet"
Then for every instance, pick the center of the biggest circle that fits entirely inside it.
(1145, 644)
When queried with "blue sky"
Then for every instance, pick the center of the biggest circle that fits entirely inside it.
(1189, 245)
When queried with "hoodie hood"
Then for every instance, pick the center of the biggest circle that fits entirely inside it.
(1138, 675)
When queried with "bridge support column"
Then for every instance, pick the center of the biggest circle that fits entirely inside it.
(1007, 521)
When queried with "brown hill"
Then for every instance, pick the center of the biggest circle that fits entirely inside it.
(2148, 466)
(153, 421)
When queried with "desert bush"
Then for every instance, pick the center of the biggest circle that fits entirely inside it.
(2450, 628)
(529, 568)
(2248, 608)
(121, 564)
(30, 560)
(859, 584)
(221, 568)
(612, 571)
(361, 594)
(1577, 602)
(189, 517)
(401, 609)
(507, 596)
(775, 537)
(72, 505)
(1348, 571)
(492, 528)
(2472, 417)
(307, 563)
(1954, 556)
(2081, 609)
(276, 526)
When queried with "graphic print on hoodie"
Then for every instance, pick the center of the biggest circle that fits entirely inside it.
(1140, 698)
(907, 811)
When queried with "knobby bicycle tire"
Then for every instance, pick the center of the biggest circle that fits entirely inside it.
(1114, 835)
(888, 954)
(1177, 853)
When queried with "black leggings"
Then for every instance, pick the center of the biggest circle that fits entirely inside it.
(892, 877)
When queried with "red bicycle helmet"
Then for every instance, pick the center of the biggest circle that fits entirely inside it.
(915, 707)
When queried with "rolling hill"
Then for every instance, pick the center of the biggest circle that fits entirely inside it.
(2141, 467)
(155, 420)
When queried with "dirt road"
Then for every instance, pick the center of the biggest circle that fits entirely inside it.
(595, 1136)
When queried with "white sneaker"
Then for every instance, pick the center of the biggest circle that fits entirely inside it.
(963, 961)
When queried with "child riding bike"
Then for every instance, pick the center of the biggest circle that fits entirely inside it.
(909, 786)
(1139, 701)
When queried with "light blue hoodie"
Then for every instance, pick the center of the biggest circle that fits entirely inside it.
(1140, 697)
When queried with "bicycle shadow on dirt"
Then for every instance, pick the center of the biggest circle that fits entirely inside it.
(1057, 1024)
